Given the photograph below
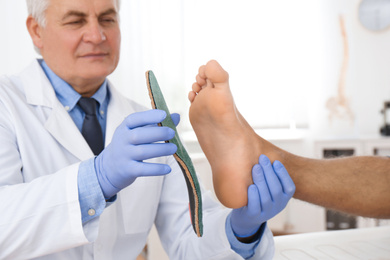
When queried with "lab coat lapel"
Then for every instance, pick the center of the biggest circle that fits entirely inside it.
(39, 92)
(64, 130)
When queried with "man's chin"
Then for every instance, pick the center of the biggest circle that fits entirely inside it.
(96, 72)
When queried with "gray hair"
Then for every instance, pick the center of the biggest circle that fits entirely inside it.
(37, 9)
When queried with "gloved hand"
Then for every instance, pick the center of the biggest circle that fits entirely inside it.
(269, 194)
(135, 140)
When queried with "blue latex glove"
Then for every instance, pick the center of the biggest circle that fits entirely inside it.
(138, 138)
(175, 118)
(269, 194)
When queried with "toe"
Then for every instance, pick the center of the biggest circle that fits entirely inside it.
(191, 96)
(196, 87)
(201, 72)
(215, 72)
(201, 81)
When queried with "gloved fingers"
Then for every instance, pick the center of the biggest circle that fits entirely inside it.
(144, 118)
(143, 169)
(254, 203)
(150, 134)
(262, 187)
(285, 179)
(148, 151)
(274, 185)
(175, 118)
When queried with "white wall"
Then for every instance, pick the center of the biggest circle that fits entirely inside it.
(367, 79)
(16, 48)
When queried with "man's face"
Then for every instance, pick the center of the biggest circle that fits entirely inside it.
(81, 41)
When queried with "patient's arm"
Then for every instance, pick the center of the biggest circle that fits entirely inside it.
(356, 185)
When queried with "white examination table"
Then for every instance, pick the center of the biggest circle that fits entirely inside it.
(363, 243)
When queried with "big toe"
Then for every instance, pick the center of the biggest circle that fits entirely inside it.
(215, 73)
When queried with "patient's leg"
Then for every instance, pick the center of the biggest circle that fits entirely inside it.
(229, 143)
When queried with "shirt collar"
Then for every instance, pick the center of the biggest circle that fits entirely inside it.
(66, 94)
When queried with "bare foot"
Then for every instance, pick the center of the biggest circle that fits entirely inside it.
(229, 143)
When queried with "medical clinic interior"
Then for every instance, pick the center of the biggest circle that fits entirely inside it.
(310, 76)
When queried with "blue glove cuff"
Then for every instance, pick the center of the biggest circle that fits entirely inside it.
(108, 189)
(243, 249)
(251, 234)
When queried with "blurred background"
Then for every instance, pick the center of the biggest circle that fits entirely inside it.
(311, 76)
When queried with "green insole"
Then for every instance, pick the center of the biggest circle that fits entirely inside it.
(181, 155)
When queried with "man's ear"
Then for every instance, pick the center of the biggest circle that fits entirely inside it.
(35, 31)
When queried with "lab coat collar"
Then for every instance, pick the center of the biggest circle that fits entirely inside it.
(37, 87)
(39, 92)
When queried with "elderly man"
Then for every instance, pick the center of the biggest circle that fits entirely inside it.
(72, 150)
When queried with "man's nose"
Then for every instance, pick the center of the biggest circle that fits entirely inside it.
(94, 33)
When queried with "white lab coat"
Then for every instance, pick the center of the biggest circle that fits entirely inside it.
(40, 152)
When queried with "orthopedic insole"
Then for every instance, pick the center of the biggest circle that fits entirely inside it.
(181, 155)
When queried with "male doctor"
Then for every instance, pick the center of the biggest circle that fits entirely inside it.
(65, 196)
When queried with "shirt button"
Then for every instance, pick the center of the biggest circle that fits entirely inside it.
(91, 212)
(67, 108)
(101, 112)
